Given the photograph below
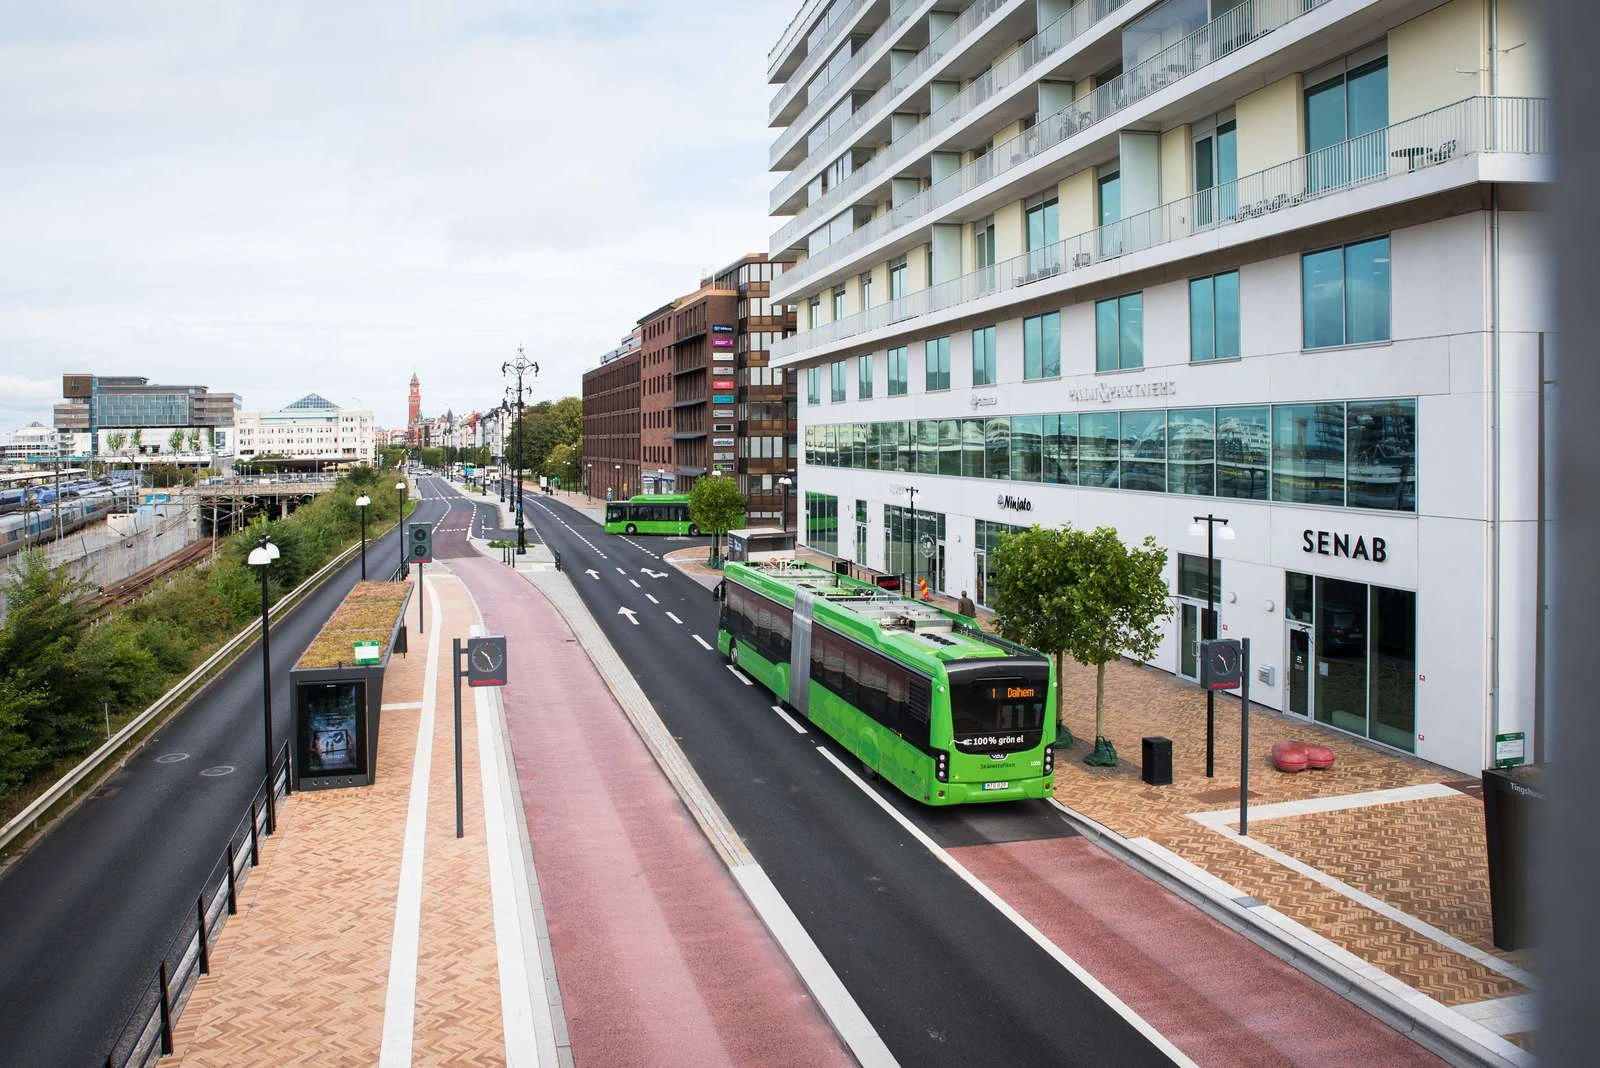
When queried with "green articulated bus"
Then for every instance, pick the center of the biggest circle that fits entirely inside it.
(945, 711)
(651, 513)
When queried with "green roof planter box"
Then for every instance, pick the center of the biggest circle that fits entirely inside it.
(337, 688)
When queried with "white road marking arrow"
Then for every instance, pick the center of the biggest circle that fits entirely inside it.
(629, 613)
(654, 574)
(592, 573)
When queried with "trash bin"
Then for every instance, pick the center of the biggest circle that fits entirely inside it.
(1156, 762)
(1513, 803)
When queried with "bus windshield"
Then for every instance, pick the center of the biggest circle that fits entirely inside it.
(616, 512)
(999, 713)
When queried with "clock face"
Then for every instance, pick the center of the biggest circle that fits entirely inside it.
(487, 657)
(1225, 660)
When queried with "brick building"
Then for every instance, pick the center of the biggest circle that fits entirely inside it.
(611, 422)
(703, 344)
(658, 472)
(766, 395)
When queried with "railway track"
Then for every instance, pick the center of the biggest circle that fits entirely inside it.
(116, 594)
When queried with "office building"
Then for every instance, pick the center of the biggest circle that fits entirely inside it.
(611, 423)
(1126, 263)
(130, 418)
(311, 430)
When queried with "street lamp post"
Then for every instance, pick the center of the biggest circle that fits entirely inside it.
(784, 482)
(520, 366)
(361, 506)
(500, 471)
(401, 487)
(261, 558)
(1208, 624)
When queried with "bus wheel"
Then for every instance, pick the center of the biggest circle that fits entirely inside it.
(733, 653)
(694, 531)
(631, 529)
(868, 770)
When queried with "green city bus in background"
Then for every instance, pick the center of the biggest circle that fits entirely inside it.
(943, 710)
(650, 513)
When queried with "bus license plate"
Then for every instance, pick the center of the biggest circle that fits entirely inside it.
(996, 785)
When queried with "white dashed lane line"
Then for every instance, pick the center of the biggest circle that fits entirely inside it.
(741, 676)
(699, 639)
(649, 598)
(788, 719)
(679, 622)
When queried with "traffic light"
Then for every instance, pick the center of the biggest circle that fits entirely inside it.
(419, 544)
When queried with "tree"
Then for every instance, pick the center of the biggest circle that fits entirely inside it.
(136, 442)
(564, 463)
(544, 426)
(1083, 594)
(715, 505)
(116, 440)
(175, 440)
(194, 440)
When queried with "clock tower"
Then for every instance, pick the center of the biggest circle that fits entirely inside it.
(414, 410)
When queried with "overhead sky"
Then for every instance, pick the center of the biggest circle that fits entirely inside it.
(327, 195)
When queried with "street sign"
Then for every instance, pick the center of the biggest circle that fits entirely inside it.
(367, 653)
(419, 543)
(1220, 664)
(486, 661)
(1510, 749)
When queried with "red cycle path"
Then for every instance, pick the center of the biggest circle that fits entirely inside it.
(660, 958)
(1218, 997)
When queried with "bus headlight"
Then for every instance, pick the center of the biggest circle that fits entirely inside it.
(1049, 759)
(941, 766)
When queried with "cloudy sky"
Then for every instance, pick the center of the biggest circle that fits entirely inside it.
(327, 195)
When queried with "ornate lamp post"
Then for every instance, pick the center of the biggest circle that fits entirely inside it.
(400, 487)
(520, 366)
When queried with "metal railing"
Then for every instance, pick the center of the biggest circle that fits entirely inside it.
(872, 108)
(1468, 127)
(1017, 67)
(146, 1035)
(842, 14)
(1218, 39)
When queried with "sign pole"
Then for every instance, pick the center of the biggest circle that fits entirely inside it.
(455, 675)
(422, 593)
(1244, 738)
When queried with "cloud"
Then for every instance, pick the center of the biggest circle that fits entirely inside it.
(312, 197)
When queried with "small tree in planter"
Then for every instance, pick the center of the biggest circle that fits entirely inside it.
(715, 506)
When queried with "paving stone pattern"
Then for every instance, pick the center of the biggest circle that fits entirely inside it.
(1423, 857)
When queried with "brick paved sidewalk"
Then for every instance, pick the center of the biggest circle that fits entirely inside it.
(1382, 856)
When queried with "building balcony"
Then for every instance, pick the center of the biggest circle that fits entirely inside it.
(845, 14)
(1067, 36)
(827, 96)
(689, 435)
(1453, 146)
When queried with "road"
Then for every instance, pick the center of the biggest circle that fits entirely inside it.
(943, 974)
(90, 908)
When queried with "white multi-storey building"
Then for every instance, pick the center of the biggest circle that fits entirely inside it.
(1128, 263)
(311, 428)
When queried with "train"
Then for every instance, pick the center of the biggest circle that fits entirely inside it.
(82, 503)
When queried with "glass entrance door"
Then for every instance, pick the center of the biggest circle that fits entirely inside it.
(1299, 670)
(1341, 662)
(861, 544)
(980, 577)
(1189, 640)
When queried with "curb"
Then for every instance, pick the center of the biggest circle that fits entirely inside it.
(1405, 1016)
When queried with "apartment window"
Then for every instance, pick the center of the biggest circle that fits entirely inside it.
(1110, 188)
(1042, 225)
(813, 385)
(836, 375)
(1346, 117)
(983, 356)
(838, 303)
(1041, 346)
(1119, 333)
(899, 359)
(814, 310)
(897, 280)
(864, 377)
(936, 363)
(983, 242)
(1345, 294)
(1214, 317)
(866, 291)
(1216, 172)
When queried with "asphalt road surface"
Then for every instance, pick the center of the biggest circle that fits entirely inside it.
(89, 910)
(944, 976)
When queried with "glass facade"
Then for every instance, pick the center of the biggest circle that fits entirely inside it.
(141, 409)
(1214, 317)
(986, 539)
(1360, 454)
(901, 540)
(1353, 657)
(1119, 333)
(1345, 294)
(983, 372)
(822, 522)
(1041, 346)
(1346, 117)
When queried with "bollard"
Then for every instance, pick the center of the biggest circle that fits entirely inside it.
(557, 555)
(200, 922)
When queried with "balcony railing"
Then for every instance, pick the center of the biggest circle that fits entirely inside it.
(1046, 43)
(872, 109)
(843, 13)
(1468, 127)
(1221, 37)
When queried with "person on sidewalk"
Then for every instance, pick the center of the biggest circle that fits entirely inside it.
(966, 607)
